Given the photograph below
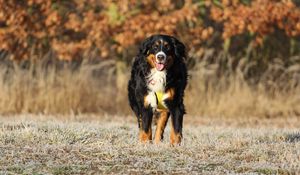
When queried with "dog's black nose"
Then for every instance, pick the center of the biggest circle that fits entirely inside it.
(160, 57)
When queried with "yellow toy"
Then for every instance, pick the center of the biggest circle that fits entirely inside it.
(160, 103)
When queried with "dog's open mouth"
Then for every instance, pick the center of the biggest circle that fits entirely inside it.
(159, 66)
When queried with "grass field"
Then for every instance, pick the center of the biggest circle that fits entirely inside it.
(37, 144)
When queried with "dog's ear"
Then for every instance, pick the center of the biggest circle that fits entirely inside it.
(179, 48)
(145, 46)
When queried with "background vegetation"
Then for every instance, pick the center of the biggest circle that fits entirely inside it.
(75, 56)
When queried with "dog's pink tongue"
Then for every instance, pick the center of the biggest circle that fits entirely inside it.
(159, 66)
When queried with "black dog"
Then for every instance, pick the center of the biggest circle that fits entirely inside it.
(158, 80)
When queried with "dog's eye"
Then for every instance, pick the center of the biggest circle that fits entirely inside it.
(168, 47)
(155, 47)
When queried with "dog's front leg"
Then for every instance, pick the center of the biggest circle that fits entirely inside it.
(176, 125)
(160, 127)
(145, 129)
(177, 111)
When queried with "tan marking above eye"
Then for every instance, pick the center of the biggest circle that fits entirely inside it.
(157, 43)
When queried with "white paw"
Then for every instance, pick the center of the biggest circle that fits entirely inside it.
(151, 99)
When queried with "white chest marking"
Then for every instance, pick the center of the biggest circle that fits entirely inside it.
(156, 80)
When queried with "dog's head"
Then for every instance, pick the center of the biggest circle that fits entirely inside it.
(162, 51)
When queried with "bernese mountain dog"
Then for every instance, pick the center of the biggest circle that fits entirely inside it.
(156, 87)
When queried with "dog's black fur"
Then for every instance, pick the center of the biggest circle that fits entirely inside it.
(176, 78)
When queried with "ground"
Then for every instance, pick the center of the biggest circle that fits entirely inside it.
(108, 145)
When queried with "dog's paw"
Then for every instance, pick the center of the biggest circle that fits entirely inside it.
(151, 100)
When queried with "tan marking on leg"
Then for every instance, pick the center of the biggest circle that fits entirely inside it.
(161, 124)
(175, 138)
(145, 136)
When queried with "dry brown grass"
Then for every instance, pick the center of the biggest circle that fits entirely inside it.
(232, 97)
(102, 88)
(40, 89)
(108, 145)
(273, 90)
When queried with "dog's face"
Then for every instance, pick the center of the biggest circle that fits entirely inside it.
(161, 51)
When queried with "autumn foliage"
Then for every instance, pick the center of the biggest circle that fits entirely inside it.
(260, 18)
(74, 28)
